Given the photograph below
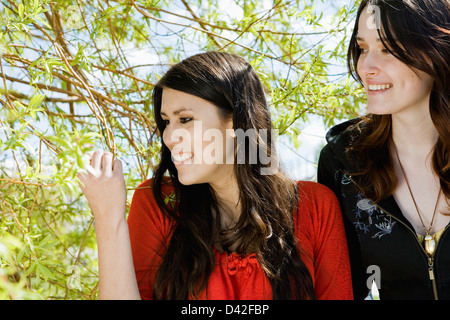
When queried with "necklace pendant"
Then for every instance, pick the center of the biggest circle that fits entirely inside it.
(430, 244)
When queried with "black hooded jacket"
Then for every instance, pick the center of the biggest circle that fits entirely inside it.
(379, 236)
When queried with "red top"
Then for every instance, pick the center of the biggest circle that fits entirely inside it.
(318, 227)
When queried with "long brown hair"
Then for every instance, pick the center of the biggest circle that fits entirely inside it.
(411, 30)
(268, 201)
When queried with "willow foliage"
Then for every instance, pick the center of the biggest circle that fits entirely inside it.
(77, 75)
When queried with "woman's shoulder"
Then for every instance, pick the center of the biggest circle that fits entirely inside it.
(145, 189)
(343, 134)
(144, 209)
(144, 197)
(316, 202)
(339, 138)
(313, 191)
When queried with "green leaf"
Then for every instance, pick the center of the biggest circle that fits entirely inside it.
(45, 272)
(31, 268)
(36, 101)
(21, 10)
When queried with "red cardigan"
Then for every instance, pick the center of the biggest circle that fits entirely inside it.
(318, 227)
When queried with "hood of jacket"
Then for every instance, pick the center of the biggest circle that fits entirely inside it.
(341, 136)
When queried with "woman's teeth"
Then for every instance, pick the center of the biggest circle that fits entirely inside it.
(377, 87)
(182, 157)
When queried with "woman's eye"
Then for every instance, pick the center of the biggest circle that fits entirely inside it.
(362, 50)
(166, 122)
(185, 120)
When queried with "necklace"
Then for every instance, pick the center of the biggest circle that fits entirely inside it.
(429, 242)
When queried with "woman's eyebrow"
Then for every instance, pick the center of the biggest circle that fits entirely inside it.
(176, 112)
(361, 39)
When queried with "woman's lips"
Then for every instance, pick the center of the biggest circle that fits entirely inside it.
(373, 89)
(181, 158)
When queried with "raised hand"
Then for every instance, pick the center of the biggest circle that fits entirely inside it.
(103, 184)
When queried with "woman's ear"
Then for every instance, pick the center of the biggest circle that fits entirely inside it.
(230, 127)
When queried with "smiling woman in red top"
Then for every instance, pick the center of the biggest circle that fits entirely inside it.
(318, 229)
(218, 220)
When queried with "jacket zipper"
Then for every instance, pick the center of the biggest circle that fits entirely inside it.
(430, 257)
(433, 280)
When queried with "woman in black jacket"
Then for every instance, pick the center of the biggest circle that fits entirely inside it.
(391, 168)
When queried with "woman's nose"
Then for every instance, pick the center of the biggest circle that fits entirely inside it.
(173, 136)
(368, 65)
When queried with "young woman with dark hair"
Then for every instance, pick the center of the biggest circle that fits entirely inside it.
(391, 168)
(218, 220)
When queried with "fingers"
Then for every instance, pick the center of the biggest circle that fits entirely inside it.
(107, 163)
(96, 160)
(117, 166)
(102, 163)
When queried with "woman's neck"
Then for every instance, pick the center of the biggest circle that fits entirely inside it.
(414, 135)
(227, 195)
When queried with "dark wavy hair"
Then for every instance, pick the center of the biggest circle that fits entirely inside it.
(265, 226)
(417, 32)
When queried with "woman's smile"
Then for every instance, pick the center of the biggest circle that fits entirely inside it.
(182, 158)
